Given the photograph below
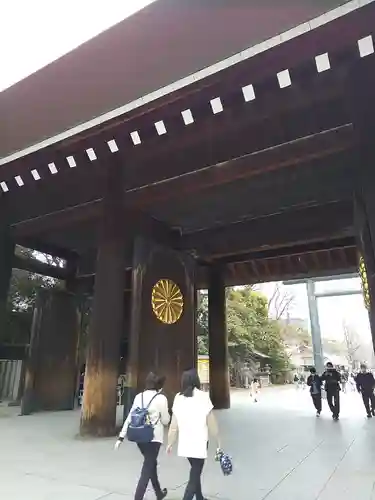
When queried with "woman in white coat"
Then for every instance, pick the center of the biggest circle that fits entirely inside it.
(159, 415)
(192, 420)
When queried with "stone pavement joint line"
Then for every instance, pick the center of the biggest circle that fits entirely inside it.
(337, 466)
(293, 469)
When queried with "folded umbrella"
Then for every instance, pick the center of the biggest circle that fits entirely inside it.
(225, 462)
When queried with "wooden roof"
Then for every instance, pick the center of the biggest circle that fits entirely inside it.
(261, 162)
(145, 55)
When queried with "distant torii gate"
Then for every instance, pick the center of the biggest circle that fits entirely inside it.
(312, 297)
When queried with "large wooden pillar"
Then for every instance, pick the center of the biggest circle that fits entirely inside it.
(50, 377)
(163, 334)
(103, 347)
(70, 282)
(125, 337)
(361, 100)
(6, 260)
(218, 339)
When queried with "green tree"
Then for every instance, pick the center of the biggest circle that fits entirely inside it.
(21, 298)
(249, 328)
(23, 289)
(202, 323)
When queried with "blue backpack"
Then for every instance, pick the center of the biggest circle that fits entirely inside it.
(140, 428)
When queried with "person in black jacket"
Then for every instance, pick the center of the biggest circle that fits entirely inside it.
(332, 378)
(315, 384)
(365, 385)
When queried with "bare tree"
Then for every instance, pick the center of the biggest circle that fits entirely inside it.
(280, 302)
(352, 343)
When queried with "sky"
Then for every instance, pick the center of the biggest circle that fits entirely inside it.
(34, 33)
(333, 311)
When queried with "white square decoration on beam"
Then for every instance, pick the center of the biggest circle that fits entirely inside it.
(160, 128)
(366, 46)
(248, 93)
(135, 138)
(112, 144)
(284, 79)
(19, 180)
(187, 116)
(71, 161)
(216, 105)
(91, 154)
(35, 175)
(322, 63)
(52, 168)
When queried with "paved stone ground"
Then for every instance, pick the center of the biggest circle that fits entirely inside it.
(281, 451)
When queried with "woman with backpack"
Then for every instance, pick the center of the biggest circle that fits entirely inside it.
(193, 420)
(145, 426)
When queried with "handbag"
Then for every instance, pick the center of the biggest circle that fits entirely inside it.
(225, 462)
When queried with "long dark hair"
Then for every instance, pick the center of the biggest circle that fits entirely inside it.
(190, 381)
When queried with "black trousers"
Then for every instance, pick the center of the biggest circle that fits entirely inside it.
(333, 400)
(194, 486)
(150, 452)
(317, 400)
(368, 398)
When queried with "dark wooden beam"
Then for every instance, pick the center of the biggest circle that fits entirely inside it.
(30, 232)
(315, 104)
(241, 278)
(285, 267)
(329, 221)
(284, 155)
(85, 283)
(296, 250)
(241, 128)
(13, 352)
(67, 217)
(249, 273)
(82, 185)
(38, 267)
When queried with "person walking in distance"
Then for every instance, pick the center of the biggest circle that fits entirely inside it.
(352, 382)
(156, 406)
(332, 378)
(365, 385)
(344, 380)
(193, 421)
(255, 390)
(315, 384)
